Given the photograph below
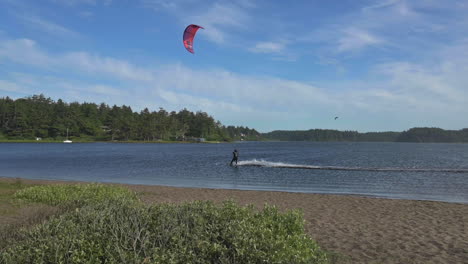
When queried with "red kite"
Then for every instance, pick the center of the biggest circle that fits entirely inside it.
(189, 35)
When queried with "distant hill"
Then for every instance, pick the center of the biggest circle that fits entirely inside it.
(419, 134)
(433, 134)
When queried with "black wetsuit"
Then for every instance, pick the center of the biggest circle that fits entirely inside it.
(235, 155)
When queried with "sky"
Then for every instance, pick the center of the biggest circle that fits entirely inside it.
(377, 65)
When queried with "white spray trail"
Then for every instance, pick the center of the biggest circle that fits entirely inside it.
(270, 164)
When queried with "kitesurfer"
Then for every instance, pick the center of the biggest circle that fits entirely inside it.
(235, 156)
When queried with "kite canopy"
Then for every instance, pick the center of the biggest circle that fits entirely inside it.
(189, 34)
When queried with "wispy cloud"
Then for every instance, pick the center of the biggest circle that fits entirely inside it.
(381, 4)
(268, 47)
(27, 52)
(48, 26)
(390, 29)
(86, 14)
(94, 64)
(424, 89)
(226, 23)
(219, 18)
(161, 5)
(24, 51)
(8, 86)
(174, 84)
(354, 39)
(395, 89)
(100, 89)
(82, 2)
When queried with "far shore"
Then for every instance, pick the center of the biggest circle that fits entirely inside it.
(110, 141)
(361, 229)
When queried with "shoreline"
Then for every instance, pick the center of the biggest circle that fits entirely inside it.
(365, 229)
(370, 196)
(130, 141)
(218, 142)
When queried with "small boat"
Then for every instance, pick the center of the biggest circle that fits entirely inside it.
(67, 140)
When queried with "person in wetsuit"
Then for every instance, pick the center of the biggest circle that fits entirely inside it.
(235, 156)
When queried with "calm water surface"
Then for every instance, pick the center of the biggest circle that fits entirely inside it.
(206, 165)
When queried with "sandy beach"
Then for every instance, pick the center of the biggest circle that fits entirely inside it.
(362, 229)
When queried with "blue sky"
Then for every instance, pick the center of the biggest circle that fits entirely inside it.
(380, 65)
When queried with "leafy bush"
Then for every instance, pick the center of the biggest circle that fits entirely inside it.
(79, 194)
(122, 231)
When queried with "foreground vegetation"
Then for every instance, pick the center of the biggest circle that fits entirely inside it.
(41, 117)
(7, 190)
(108, 224)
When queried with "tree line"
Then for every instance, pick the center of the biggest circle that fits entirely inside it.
(41, 117)
(421, 134)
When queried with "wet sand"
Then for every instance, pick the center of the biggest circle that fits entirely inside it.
(362, 229)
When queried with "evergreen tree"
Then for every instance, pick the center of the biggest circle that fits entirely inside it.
(39, 116)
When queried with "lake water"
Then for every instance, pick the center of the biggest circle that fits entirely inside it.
(393, 170)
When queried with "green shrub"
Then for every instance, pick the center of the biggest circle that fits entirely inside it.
(79, 194)
(122, 231)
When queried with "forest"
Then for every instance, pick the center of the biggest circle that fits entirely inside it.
(419, 134)
(40, 117)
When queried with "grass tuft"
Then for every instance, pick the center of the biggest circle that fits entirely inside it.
(79, 194)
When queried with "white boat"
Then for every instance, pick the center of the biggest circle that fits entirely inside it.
(67, 140)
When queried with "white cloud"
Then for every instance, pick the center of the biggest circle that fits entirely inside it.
(381, 4)
(239, 89)
(86, 14)
(399, 7)
(94, 64)
(268, 47)
(105, 89)
(397, 27)
(219, 18)
(8, 86)
(217, 90)
(24, 51)
(182, 100)
(397, 89)
(82, 2)
(81, 87)
(435, 91)
(422, 80)
(74, 2)
(48, 27)
(356, 39)
(160, 5)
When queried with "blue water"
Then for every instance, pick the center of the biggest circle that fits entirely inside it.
(263, 166)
